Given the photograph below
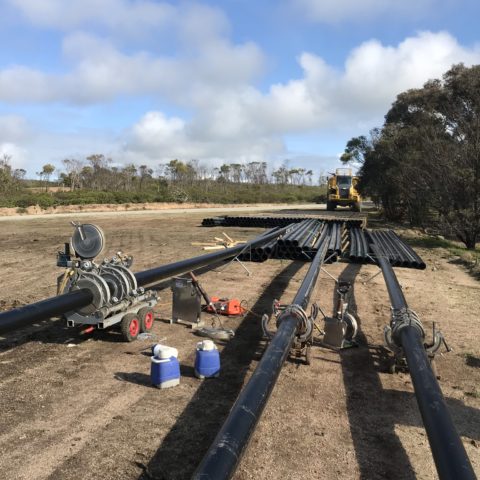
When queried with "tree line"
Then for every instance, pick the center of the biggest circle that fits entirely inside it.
(98, 179)
(98, 172)
(423, 164)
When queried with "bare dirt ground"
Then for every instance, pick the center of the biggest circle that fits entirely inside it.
(137, 209)
(80, 406)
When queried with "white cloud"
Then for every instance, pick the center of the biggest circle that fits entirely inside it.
(375, 74)
(13, 128)
(351, 100)
(334, 11)
(156, 138)
(16, 154)
(125, 16)
(101, 72)
(213, 79)
(363, 90)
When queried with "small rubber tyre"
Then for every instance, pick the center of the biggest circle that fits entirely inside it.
(146, 317)
(357, 207)
(130, 327)
(331, 206)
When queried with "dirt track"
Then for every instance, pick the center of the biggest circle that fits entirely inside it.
(80, 406)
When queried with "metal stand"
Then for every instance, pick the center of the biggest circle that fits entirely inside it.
(372, 277)
(330, 275)
(341, 329)
(249, 273)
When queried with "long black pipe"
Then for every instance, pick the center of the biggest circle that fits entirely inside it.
(448, 452)
(226, 450)
(53, 306)
(48, 308)
(155, 274)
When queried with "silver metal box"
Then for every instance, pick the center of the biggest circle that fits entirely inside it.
(186, 302)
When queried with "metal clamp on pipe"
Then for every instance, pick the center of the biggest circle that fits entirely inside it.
(305, 323)
(401, 318)
(304, 333)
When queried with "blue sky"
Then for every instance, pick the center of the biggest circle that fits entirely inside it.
(234, 80)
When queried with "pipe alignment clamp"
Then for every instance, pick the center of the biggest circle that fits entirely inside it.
(401, 318)
(305, 329)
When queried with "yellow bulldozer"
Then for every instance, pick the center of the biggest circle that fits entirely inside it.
(342, 191)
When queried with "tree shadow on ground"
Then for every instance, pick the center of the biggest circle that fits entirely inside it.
(188, 440)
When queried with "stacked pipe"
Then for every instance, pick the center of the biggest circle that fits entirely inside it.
(267, 222)
(392, 247)
(448, 452)
(358, 251)
(307, 238)
(289, 244)
(335, 241)
(223, 456)
(298, 243)
(303, 239)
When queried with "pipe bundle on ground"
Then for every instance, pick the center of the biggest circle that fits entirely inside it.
(301, 241)
(267, 222)
(345, 236)
(358, 245)
(392, 247)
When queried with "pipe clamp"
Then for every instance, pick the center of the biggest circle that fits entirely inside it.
(402, 318)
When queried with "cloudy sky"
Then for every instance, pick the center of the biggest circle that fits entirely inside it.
(146, 81)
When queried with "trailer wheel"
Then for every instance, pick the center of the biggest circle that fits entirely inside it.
(146, 317)
(130, 326)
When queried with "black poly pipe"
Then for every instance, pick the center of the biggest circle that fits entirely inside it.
(171, 269)
(48, 308)
(226, 450)
(307, 243)
(416, 261)
(402, 259)
(53, 306)
(300, 235)
(448, 452)
(293, 231)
